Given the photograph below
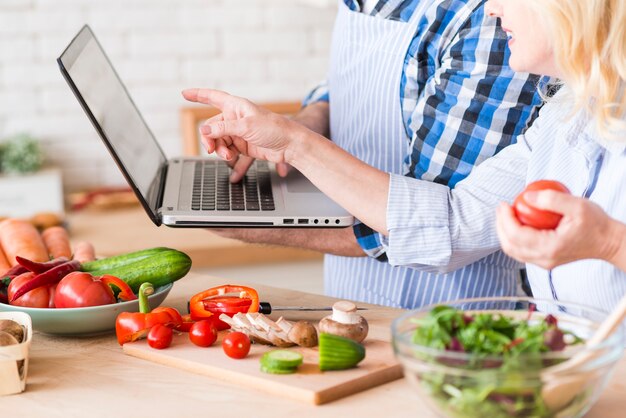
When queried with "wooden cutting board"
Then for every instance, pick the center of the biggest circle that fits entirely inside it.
(309, 384)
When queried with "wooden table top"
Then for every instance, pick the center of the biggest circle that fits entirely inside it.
(122, 230)
(92, 377)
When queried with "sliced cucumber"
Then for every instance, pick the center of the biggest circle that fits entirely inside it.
(339, 353)
(281, 360)
(269, 370)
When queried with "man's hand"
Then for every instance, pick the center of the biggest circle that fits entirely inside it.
(585, 231)
(332, 241)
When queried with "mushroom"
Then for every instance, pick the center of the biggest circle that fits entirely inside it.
(7, 339)
(303, 333)
(345, 322)
(13, 328)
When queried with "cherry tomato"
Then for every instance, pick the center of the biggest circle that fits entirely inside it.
(41, 297)
(185, 326)
(80, 289)
(537, 218)
(160, 336)
(203, 333)
(236, 345)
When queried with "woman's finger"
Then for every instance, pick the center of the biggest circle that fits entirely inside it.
(241, 168)
(223, 128)
(211, 97)
(552, 201)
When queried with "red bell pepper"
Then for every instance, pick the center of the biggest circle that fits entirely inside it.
(131, 326)
(214, 301)
(52, 276)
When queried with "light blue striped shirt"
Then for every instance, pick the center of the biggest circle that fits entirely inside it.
(459, 224)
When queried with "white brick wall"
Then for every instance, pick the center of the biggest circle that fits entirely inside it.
(265, 50)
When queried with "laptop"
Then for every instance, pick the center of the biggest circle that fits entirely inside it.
(189, 191)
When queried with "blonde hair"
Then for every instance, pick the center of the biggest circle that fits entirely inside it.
(589, 42)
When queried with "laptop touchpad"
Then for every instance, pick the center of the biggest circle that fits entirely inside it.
(297, 183)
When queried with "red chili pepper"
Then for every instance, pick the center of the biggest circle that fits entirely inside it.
(52, 276)
(15, 271)
(214, 301)
(131, 326)
(36, 267)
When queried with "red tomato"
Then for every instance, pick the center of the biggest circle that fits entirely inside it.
(160, 336)
(537, 218)
(236, 345)
(78, 289)
(203, 333)
(41, 297)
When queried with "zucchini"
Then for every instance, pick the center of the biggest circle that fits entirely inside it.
(339, 353)
(159, 269)
(281, 362)
(121, 260)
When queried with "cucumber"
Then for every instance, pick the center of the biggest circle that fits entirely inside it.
(122, 259)
(339, 353)
(160, 269)
(265, 369)
(284, 360)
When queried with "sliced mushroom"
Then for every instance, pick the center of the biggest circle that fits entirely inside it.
(284, 324)
(13, 328)
(345, 322)
(304, 334)
(259, 328)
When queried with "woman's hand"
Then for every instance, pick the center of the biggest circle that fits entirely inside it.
(243, 128)
(585, 231)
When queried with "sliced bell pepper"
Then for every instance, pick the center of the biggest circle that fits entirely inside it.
(214, 301)
(131, 326)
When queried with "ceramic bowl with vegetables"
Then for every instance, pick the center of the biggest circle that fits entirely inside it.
(497, 357)
(84, 321)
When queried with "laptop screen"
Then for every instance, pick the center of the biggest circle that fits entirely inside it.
(110, 108)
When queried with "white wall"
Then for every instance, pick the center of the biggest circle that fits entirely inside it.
(262, 49)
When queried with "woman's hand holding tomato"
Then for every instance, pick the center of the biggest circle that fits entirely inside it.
(584, 231)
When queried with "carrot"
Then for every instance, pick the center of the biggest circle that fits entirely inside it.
(19, 237)
(57, 242)
(84, 251)
(4, 263)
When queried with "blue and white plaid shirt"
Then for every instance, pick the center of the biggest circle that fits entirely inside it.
(458, 111)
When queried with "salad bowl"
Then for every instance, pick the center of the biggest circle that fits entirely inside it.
(470, 379)
(87, 321)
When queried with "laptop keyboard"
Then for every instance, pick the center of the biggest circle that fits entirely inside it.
(212, 190)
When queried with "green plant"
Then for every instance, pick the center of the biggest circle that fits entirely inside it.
(20, 154)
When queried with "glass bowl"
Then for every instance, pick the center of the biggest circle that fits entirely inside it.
(459, 384)
(92, 320)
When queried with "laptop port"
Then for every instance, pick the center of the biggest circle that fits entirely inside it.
(326, 221)
(303, 221)
(315, 221)
(288, 221)
(337, 221)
